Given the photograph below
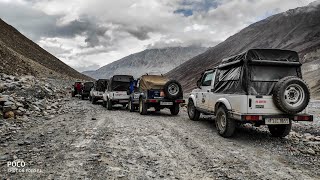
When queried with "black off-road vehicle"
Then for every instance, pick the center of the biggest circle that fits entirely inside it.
(87, 86)
(155, 91)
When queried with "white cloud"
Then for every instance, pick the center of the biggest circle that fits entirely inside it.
(85, 34)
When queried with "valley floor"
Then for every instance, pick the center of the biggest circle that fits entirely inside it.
(89, 142)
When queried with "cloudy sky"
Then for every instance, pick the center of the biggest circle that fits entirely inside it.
(87, 34)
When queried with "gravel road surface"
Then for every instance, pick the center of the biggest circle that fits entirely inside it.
(89, 142)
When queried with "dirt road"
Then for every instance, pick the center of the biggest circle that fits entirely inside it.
(89, 142)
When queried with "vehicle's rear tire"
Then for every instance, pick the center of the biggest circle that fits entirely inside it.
(281, 130)
(82, 97)
(291, 95)
(90, 98)
(142, 107)
(109, 104)
(173, 90)
(175, 109)
(73, 94)
(94, 100)
(225, 125)
(193, 113)
(131, 105)
(104, 103)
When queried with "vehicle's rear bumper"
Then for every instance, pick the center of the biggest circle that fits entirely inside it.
(160, 101)
(85, 94)
(120, 101)
(98, 97)
(262, 117)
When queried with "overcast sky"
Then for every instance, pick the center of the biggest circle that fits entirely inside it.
(87, 34)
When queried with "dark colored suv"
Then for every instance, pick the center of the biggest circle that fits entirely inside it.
(155, 91)
(87, 86)
(76, 88)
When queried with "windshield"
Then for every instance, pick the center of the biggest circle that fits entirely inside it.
(272, 73)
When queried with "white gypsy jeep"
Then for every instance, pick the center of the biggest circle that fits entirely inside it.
(117, 91)
(259, 86)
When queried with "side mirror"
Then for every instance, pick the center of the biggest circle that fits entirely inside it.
(199, 84)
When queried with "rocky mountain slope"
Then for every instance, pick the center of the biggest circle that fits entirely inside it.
(297, 29)
(19, 55)
(158, 61)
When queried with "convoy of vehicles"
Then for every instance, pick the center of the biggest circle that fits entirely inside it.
(117, 91)
(259, 86)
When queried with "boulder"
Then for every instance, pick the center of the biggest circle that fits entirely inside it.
(9, 115)
(6, 109)
(3, 99)
(18, 104)
(2, 88)
(311, 151)
(22, 109)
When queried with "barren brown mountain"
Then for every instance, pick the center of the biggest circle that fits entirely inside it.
(297, 29)
(19, 55)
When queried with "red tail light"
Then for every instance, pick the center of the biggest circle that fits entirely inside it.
(179, 101)
(152, 100)
(253, 118)
(302, 118)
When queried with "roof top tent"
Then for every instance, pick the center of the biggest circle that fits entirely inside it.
(256, 71)
(120, 82)
(101, 84)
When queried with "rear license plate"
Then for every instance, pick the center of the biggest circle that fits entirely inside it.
(166, 103)
(277, 121)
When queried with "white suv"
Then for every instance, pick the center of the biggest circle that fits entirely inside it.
(260, 86)
(97, 90)
(117, 91)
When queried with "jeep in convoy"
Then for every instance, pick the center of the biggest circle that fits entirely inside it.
(97, 91)
(76, 88)
(259, 86)
(155, 91)
(87, 86)
(117, 91)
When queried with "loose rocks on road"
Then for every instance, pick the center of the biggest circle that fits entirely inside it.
(87, 141)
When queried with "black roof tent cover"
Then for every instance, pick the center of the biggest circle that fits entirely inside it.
(275, 56)
(88, 86)
(122, 78)
(120, 82)
(101, 84)
(234, 73)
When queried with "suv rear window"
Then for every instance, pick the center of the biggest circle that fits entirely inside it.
(272, 73)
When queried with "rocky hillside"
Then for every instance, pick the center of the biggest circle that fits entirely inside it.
(19, 55)
(158, 61)
(297, 29)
